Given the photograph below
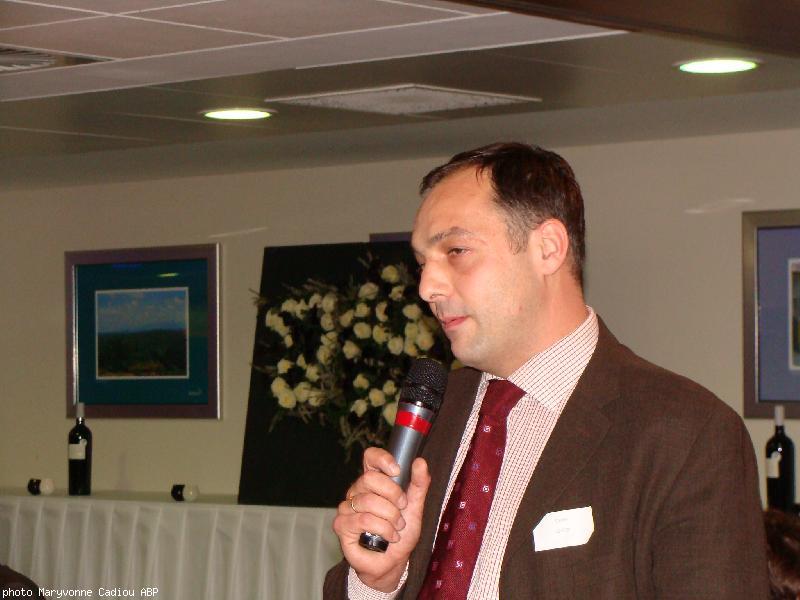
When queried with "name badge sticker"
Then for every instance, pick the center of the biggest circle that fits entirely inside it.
(563, 528)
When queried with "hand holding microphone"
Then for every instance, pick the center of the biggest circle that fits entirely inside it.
(420, 399)
(377, 510)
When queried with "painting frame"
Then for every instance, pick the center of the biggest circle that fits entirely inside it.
(143, 332)
(771, 312)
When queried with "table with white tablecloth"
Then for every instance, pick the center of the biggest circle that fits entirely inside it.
(204, 550)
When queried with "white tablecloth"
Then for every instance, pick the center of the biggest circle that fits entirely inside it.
(187, 551)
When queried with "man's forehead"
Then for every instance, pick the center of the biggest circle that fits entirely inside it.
(454, 231)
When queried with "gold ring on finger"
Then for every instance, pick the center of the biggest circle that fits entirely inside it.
(352, 504)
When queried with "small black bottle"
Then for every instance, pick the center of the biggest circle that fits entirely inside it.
(80, 456)
(780, 467)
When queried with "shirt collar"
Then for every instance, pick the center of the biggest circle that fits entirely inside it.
(548, 375)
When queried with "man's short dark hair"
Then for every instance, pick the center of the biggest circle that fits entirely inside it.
(530, 185)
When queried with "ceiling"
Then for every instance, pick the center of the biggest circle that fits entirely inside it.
(132, 76)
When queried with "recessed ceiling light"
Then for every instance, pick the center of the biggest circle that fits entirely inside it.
(237, 114)
(718, 65)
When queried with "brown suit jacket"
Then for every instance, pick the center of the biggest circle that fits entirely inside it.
(667, 468)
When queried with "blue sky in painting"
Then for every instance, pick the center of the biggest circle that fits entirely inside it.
(121, 311)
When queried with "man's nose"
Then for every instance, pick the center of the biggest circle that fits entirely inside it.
(433, 283)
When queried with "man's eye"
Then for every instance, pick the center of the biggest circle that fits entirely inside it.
(456, 251)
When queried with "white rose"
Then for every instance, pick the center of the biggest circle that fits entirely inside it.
(314, 301)
(316, 397)
(289, 306)
(269, 319)
(390, 274)
(324, 355)
(397, 292)
(301, 391)
(350, 350)
(346, 318)
(301, 308)
(361, 382)
(326, 321)
(312, 373)
(411, 330)
(409, 348)
(412, 311)
(376, 397)
(278, 384)
(301, 362)
(329, 339)
(424, 340)
(379, 334)
(368, 291)
(362, 330)
(284, 366)
(380, 312)
(390, 388)
(359, 407)
(362, 310)
(395, 345)
(432, 323)
(287, 399)
(288, 341)
(390, 412)
(275, 322)
(329, 302)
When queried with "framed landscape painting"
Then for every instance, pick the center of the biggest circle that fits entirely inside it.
(143, 331)
(771, 281)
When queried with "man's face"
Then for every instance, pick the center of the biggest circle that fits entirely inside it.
(485, 296)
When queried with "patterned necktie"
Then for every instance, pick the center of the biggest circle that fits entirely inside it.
(464, 519)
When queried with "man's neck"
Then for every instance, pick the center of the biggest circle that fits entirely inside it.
(558, 317)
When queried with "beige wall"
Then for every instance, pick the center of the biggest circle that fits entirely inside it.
(665, 277)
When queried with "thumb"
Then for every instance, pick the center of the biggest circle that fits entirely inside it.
(417, 488)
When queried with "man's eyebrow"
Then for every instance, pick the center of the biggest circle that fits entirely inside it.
(453, 231)
(438, 237)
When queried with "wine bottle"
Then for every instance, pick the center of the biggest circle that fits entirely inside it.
(80, 456)
(780, 467)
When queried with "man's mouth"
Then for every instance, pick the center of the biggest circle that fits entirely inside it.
(450, 323)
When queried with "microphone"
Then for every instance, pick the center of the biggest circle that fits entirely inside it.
(420, 399)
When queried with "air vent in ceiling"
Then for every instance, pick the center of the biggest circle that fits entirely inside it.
(405, 99)
(13, 60)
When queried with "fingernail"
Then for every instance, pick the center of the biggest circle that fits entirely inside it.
(396, 468)
(401, 523)
(403, 501)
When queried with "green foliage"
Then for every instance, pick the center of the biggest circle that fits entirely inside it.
(158, 353)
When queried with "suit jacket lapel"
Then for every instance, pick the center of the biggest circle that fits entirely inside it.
(440, 452)
(575, 438)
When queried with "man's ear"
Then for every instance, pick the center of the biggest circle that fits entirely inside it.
(550, 245)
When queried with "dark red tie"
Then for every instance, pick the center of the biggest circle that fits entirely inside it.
(464, 519)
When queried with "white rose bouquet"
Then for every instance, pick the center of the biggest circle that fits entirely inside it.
(339, 355)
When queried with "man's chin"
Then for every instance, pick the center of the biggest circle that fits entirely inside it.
(466, 358)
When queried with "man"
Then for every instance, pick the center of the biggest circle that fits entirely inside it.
(612, 478)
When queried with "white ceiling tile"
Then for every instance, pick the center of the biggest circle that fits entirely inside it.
(121, 37)
(301, 17)
(118, 6)
(17, 14)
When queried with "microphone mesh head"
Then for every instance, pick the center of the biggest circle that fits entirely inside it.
(425, 382)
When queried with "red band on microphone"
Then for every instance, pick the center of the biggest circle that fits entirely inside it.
(409, 419)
